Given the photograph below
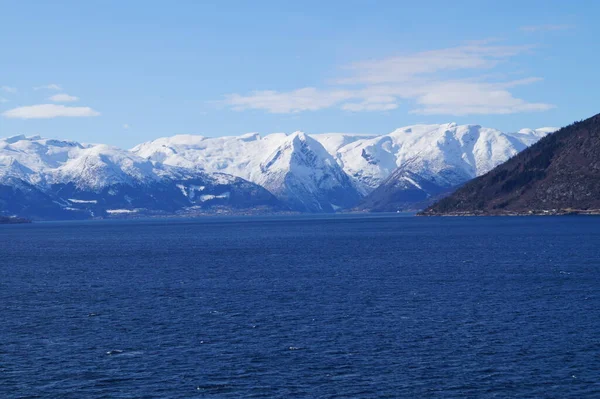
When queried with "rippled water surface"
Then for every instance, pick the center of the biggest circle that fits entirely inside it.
(340, 307)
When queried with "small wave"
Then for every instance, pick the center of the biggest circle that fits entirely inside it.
(133, 353)
(212, 387)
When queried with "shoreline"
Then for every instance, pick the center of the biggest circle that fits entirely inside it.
(536, 212)
(13, 220)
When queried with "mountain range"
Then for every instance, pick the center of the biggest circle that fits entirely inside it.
(44, 178)
(559, 174)
(53, 179)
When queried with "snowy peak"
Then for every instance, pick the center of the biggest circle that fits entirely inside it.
(298, 150)
(539, 132)
(101, 166)
(332, 142)
(434, 159)
(529, 137)
(41, 161)
(250, 137)
(31, 158)
(306, 176)
(296, 168)
(45, 178)
(453, 152)
(315, 173)
(299, 168)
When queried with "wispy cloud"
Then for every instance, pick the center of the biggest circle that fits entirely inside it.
(370, 105)
(47, 111)
(8, 89)
(51, 86)
(420, 78)
(478, 55)
(63, 98)
(473, 98)
(126, 126)
(545, 28)
(305, 99)
(3, 100)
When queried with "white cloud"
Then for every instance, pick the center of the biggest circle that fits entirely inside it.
(422, 78)
(305, 99)
(8, 89)
(366, 106)
(46, 111)
(545, 28)
(472, 98)
(63, 98)
(404, 68)
(51, 86)
(372, 102)
(126, 126)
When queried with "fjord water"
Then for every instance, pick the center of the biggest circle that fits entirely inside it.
(321, 307)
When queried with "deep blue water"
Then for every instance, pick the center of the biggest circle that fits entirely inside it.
(342, 307)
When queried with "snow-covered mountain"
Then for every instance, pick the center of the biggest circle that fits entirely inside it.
(44, 162)
(320, 173)
(415, 164)
(325, 172)
(63, 179)
(296, 168)
(449, 154)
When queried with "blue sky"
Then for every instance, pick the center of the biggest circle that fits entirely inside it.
(124, 72)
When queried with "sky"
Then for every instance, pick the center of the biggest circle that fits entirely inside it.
(126, 72)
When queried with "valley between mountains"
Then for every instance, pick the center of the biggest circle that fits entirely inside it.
(407, 169)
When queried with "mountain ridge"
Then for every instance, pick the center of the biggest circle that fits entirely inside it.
(296, 168)
(559, 174)
(433, 160)
(46, 178)
(367, 160)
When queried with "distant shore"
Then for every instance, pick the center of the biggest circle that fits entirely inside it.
(531, 212)
(13, 220)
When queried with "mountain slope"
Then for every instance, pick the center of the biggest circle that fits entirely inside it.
(52, 179)
(559, 173)
(296, 168)
(45, 178)
(326, 172)
(435, 159)
(447, 154)
(403, 190)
